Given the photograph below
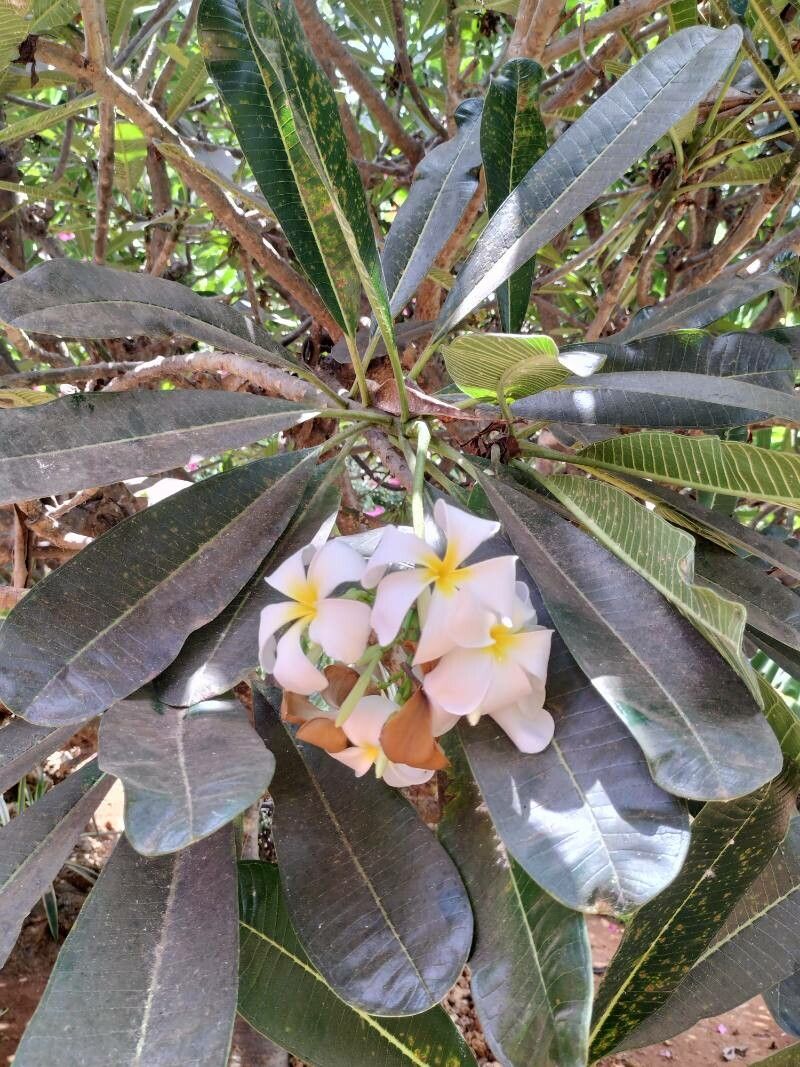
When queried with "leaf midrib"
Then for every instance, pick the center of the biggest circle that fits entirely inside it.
(370, 1020)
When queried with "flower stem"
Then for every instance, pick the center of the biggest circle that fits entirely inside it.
(370, 660)
(417, 499)
(358, 367)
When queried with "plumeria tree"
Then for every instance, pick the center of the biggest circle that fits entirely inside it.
(400, 419)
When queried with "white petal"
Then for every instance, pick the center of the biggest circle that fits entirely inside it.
(341, 627)
(464, 531)
(401, 775)
(364, 724)
(396, 547)
(441, 720)
(450, 620)
(293, 670)
(459, 681)
(531, 650)
(493, 582)
(396, 593)
(273, 616)
(523, 612)
(356, 759)
(335, 564)
(266, 654)
(290, 575)
(509, 684)
(530, 726)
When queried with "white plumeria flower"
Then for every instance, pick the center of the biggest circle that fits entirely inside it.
(500, 663)
(527, 723)
(339, 626)
(363, 729)
(455, 588)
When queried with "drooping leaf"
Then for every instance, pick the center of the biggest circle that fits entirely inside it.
(784, 1001)
(718, 527)
(665, 556)
(35, 845)
(22, 398)
(625, 838)
(22, 746)
(513, 137)
(610, 401)
(734, 842)
(308, 110)
(700, 307)
(220, 654)
(285, 998)
(93, 439)
(596, 150)
(255, 100)
(74, 299)
(444, 183)
(702, 733)
(771, 607)
(348, 884)
(152, 574)
(156, 945)
(39, 121)
(186, 771)
(726, 467)
(531, 968)
(758, 946)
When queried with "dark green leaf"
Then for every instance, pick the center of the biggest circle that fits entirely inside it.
(700, 307)
(784, 1003)
(36, 844)
(665, 556)
(156, 946)
(596, 150)
(255, 101)
(22, 746)
(352, 854)
(444, 183)
(625, 839)
(758, 946)
(597, 400)
(772, 608)
(186, 771)
(513, 137)
(125, 604)
(99, 438)
(531, 968)
(731, 844)
(686, 394)
(717, 527)
(282, 996)
(73, 299)
(223, 652)
(727, 467)
(309, 114)
(702, 733)
(787, 658)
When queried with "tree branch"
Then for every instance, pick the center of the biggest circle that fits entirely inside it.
(626, 13)
(401, 55)
(154, 126)
(325, 43)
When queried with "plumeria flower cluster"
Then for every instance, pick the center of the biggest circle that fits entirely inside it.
(380, 655)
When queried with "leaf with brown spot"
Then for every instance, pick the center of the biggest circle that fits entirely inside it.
(419, 403)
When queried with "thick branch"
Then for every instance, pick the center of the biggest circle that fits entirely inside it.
(154, 126)
(626, 13)
(535, 36)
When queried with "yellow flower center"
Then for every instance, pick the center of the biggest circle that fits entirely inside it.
(372, 751)
(445, 573)
(306, 594)
(503, 641)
